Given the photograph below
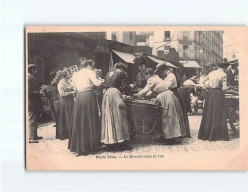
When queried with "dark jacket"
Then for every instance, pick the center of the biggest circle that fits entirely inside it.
(231, 76)
(140, 79)
(54, 94)
(117, 80)
(34, 101)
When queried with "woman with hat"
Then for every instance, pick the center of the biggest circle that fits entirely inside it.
(65, 106)
(214, 120)
(85, 133)
(115, 126)
(164, 72)
(173, 126)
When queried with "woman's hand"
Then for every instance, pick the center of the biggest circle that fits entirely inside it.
(137, 95)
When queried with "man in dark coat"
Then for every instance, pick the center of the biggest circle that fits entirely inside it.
(34, 103)
(233, 73)
(53, 95)
(140, 82)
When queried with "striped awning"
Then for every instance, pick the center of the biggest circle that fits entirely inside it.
(127, 57)
(162, 61)
(190, 64)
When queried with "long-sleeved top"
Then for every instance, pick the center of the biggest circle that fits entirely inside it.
(217, 79)
(34, 101)
(117, 80)
(84, 80)
(231, 76)
(64, 88)
(140, 79)
(171, 80)
(154, 84)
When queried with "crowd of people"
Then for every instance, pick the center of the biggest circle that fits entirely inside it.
(90, 118)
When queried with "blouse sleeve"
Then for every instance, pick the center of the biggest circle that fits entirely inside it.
(224, 83)
(149, 86)
(170, 80)
(94, 80)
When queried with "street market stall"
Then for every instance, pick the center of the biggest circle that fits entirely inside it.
(232, 103)
(144, 116)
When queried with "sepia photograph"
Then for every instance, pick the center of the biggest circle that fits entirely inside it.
(134, 98)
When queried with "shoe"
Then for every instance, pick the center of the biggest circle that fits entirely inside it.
(37, 138)
(33, 141)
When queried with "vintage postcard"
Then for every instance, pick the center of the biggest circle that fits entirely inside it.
(136, 97)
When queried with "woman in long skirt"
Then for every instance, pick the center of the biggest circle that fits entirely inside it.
(115, 126)
(85, 135)
(65, 106)
(164, 72)
(173, 126)
(214, 120)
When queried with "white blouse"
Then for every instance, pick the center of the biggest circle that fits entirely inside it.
(217, 79)
(154, 84)
(171, 79)
(85, 79)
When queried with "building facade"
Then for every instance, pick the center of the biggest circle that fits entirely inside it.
(231, 51)
(198, 50)
(203, 47)
(52, 51)
(127, 37)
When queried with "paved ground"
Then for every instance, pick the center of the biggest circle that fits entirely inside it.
(49, 146)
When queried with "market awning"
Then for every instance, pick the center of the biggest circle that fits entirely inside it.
(161, 61)
(127, 57)
(190, 64)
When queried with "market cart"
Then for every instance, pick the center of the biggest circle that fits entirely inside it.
(232, 103)
(144, 116)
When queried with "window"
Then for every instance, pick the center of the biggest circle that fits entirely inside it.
(160, 53)
(113, 37)
(131, 35)
(185, 50)
(185, 35)
(167, 35)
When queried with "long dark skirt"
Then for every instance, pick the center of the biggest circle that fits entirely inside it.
(64, 117)
(85, 134)
(115, 126)
(214, 120)
(181, 98)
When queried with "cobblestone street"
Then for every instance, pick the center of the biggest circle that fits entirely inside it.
(57, 149)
